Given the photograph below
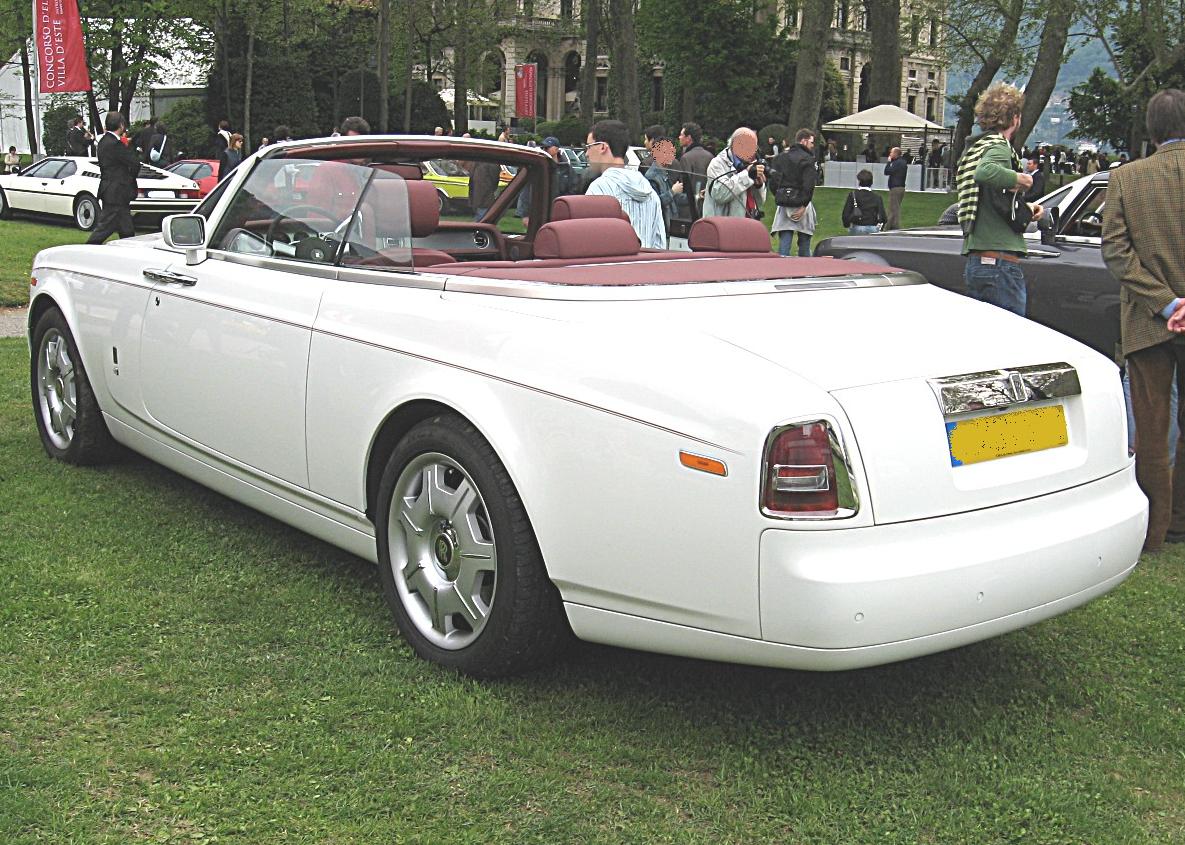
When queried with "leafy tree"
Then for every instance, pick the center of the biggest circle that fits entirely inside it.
(427, 109)
(56, 120)
(186, 122)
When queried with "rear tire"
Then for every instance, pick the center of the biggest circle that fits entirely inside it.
(86, 212)
(461, 569)
(69, 421)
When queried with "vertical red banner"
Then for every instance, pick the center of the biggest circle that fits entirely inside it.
(61, 56)
(524, 89)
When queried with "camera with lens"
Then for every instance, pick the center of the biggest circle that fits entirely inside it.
(769, 171)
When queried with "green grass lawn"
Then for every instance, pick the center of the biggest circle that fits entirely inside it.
(176, 668)
(20, 239)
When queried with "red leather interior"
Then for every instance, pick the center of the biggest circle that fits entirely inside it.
(425, 207)
(587, 238)
(728, 234)
(579, 207)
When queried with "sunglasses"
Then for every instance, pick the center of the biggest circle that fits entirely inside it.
(593, 144)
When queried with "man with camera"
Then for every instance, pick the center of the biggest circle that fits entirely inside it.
(736, 179)
(793, 180)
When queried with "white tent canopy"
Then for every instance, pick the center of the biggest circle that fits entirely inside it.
(471, 98)
(884, 118)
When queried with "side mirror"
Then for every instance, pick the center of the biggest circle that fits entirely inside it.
(187, 232)
(1048, 224)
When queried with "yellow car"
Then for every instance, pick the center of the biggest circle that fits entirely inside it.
(452, 180)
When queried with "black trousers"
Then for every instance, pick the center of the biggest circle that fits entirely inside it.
(113, 217)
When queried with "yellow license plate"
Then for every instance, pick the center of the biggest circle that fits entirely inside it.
(1013, 433)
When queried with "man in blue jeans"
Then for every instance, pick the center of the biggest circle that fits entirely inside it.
(993, 249)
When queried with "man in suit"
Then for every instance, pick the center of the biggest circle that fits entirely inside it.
(118, 168)
(897, 168)
(1143, 229)
(1037, 189)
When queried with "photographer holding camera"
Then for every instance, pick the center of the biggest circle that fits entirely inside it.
(794, 187)
(736, 179)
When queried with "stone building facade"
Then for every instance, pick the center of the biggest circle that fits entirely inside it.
(548, 32)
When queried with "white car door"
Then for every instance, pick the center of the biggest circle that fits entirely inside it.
(58, 193)
(224, 358)
(225, 345)
(28, 193)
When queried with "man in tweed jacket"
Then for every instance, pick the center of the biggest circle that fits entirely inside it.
(1144, 247)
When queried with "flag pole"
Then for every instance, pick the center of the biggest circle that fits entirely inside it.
(37, 119)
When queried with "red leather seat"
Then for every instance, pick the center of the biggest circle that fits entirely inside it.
(581, 207)
(594, 237)
(728, 234)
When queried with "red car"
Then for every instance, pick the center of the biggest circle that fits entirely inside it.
(204, 171)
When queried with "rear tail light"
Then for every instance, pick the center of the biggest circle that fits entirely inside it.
(189, 195)
(806, 474)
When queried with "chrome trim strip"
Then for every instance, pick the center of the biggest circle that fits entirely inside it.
(969, 392)
(845, 477)
(400, 278)
(694, 290)
(321, 271)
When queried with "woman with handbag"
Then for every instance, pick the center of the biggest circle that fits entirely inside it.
(794, 187)
(864, 210)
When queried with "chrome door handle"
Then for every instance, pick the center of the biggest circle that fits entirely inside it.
(166, 277)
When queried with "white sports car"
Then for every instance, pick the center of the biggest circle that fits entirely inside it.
(807, 463)
(68, 186)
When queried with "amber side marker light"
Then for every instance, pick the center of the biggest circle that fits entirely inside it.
(708, 465)
(32, 281)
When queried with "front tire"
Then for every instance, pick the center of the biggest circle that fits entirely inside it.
(5, 208)
(461, 569)
(86, 212)
(69, 421)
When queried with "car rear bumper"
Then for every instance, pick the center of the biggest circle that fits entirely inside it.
(843, 599)
(163, 206)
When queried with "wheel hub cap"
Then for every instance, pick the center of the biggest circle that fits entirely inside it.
(444, 547)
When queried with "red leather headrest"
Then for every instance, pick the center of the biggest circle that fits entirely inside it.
(407, 171)
(424, 205)
(728, 234)
(590, 238)
(580, 207)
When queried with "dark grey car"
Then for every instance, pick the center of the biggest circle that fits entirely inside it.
(1069, 287)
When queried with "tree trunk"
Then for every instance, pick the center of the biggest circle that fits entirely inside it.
(461, 70)
(116, 64)
(129, 85)
(687, 106)
(220, 27)
(250, 70)
(884, 83)
(1050, 55)
(625, 65)
(588, 73)
(983, 78)
(812, 63)
(384, 66)
(411, 62)
(30, 123)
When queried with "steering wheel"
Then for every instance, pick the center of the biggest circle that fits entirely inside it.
(293, 230)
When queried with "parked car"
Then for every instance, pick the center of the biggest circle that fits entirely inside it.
(68, 186)
(722, 454)
(1069, 287)
(204, 171)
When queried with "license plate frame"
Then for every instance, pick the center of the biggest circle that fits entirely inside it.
(1019, 432)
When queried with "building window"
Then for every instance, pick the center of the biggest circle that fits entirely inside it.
(930, 109)
(529, 8)
(929, 76)
(915, 27)
(602, 94)
(566, 9)
(911, 103)
(792, 14)
(845, 63)
(913, 74)
(933, 42)
(656, 98)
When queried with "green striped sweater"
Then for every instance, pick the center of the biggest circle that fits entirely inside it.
(968, 190)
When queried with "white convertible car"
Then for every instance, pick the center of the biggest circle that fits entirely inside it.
(68, 186)
(806, 463)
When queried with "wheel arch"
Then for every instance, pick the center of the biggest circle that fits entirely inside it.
(394, 427)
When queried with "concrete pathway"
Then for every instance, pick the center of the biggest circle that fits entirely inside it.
(13, 322)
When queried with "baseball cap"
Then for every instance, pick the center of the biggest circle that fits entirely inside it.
(550, 141)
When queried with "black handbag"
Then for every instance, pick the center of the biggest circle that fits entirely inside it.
(790, 196)
(1011, 206)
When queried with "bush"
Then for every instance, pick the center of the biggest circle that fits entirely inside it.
(188, 132)
(427, 109)
(55, 122)
(571, 130)
(780, 132)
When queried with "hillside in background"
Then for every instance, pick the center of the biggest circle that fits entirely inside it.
(1077, 69)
